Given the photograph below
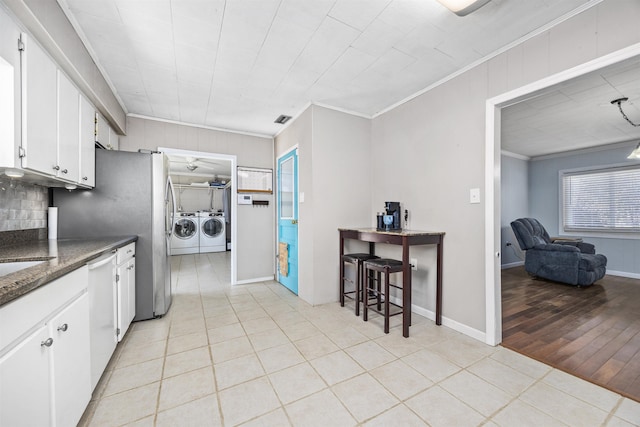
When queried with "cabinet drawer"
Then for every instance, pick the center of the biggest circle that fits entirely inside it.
(21, 315)
(125, 253)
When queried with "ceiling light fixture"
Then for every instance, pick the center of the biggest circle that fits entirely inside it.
(463, 7)
(624, 116)
(282, 119)
(635, 154)
(14, 173)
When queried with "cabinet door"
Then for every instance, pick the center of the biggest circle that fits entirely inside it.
(71, 362)
(68, 129)
(132, 289)
(87, 143)
(126, 296)
(25, 389)
(39, 101)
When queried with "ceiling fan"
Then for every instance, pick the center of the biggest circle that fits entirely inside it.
(195, 163)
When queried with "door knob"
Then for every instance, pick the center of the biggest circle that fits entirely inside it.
(294, 221)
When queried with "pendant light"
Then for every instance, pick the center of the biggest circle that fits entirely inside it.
(635, 154)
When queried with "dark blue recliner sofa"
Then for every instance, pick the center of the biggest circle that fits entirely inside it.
(571, 262)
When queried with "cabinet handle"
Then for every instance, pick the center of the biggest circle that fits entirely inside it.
(47, 343)
(84, 178)
(64, 171)
(63, 328)
(56, 168)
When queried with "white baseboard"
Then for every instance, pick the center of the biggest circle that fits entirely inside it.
(257, 279)
(623, 274)
(512, 264)
(449, 323)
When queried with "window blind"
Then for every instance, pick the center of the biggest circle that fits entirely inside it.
(602, 200)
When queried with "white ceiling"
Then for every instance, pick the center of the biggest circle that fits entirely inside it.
(188, 169)
(239, 64)
(576, 114)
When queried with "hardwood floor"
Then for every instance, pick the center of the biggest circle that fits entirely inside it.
(592, 332)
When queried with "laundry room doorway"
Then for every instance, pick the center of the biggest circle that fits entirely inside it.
(205, 188)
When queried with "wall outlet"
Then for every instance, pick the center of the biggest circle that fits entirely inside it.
(414, 264)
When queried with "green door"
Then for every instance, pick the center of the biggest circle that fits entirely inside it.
(287, 268)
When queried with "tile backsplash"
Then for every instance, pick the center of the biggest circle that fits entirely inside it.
(23, 206)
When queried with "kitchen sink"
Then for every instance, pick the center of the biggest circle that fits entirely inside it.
(12, 267)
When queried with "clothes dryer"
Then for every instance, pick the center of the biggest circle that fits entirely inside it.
(186, 234)
(213, 236)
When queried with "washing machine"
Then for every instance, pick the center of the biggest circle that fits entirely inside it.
(213, 235)
(186, 234)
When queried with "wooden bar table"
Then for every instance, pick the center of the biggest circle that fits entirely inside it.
(405, 238)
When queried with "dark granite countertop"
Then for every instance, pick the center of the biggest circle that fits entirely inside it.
(60, 257)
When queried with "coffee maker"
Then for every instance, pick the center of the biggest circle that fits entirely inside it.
(390, 220)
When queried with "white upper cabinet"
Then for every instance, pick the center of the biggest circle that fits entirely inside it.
(58, 123)
(87, 143)
(39, 109)
(105, 135)
(68, 130)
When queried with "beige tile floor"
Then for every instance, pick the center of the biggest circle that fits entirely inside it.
(256, 355)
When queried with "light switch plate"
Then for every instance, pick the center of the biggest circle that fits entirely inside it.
(474, 195)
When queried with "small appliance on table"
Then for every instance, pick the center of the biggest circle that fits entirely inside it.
(390, 220)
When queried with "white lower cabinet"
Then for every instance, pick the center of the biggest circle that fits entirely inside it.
(71, 380)
(25, 383)
(45, 371)
(126, 288)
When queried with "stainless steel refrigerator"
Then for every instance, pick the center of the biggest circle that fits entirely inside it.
(133, 196)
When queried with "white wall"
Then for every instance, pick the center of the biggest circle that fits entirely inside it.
(255, 242)
(428, 154)
(335, 177)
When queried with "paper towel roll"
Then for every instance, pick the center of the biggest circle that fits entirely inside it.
(53, 248)
(53, 223)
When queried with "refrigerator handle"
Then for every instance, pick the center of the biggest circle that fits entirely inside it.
(171, 192)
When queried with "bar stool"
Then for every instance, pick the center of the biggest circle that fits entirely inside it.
(356, 260)
(374, 287)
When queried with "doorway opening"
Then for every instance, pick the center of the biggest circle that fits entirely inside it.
(205, 186)
(494, 106)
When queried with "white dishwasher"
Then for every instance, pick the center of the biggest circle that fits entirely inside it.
(102, 312)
